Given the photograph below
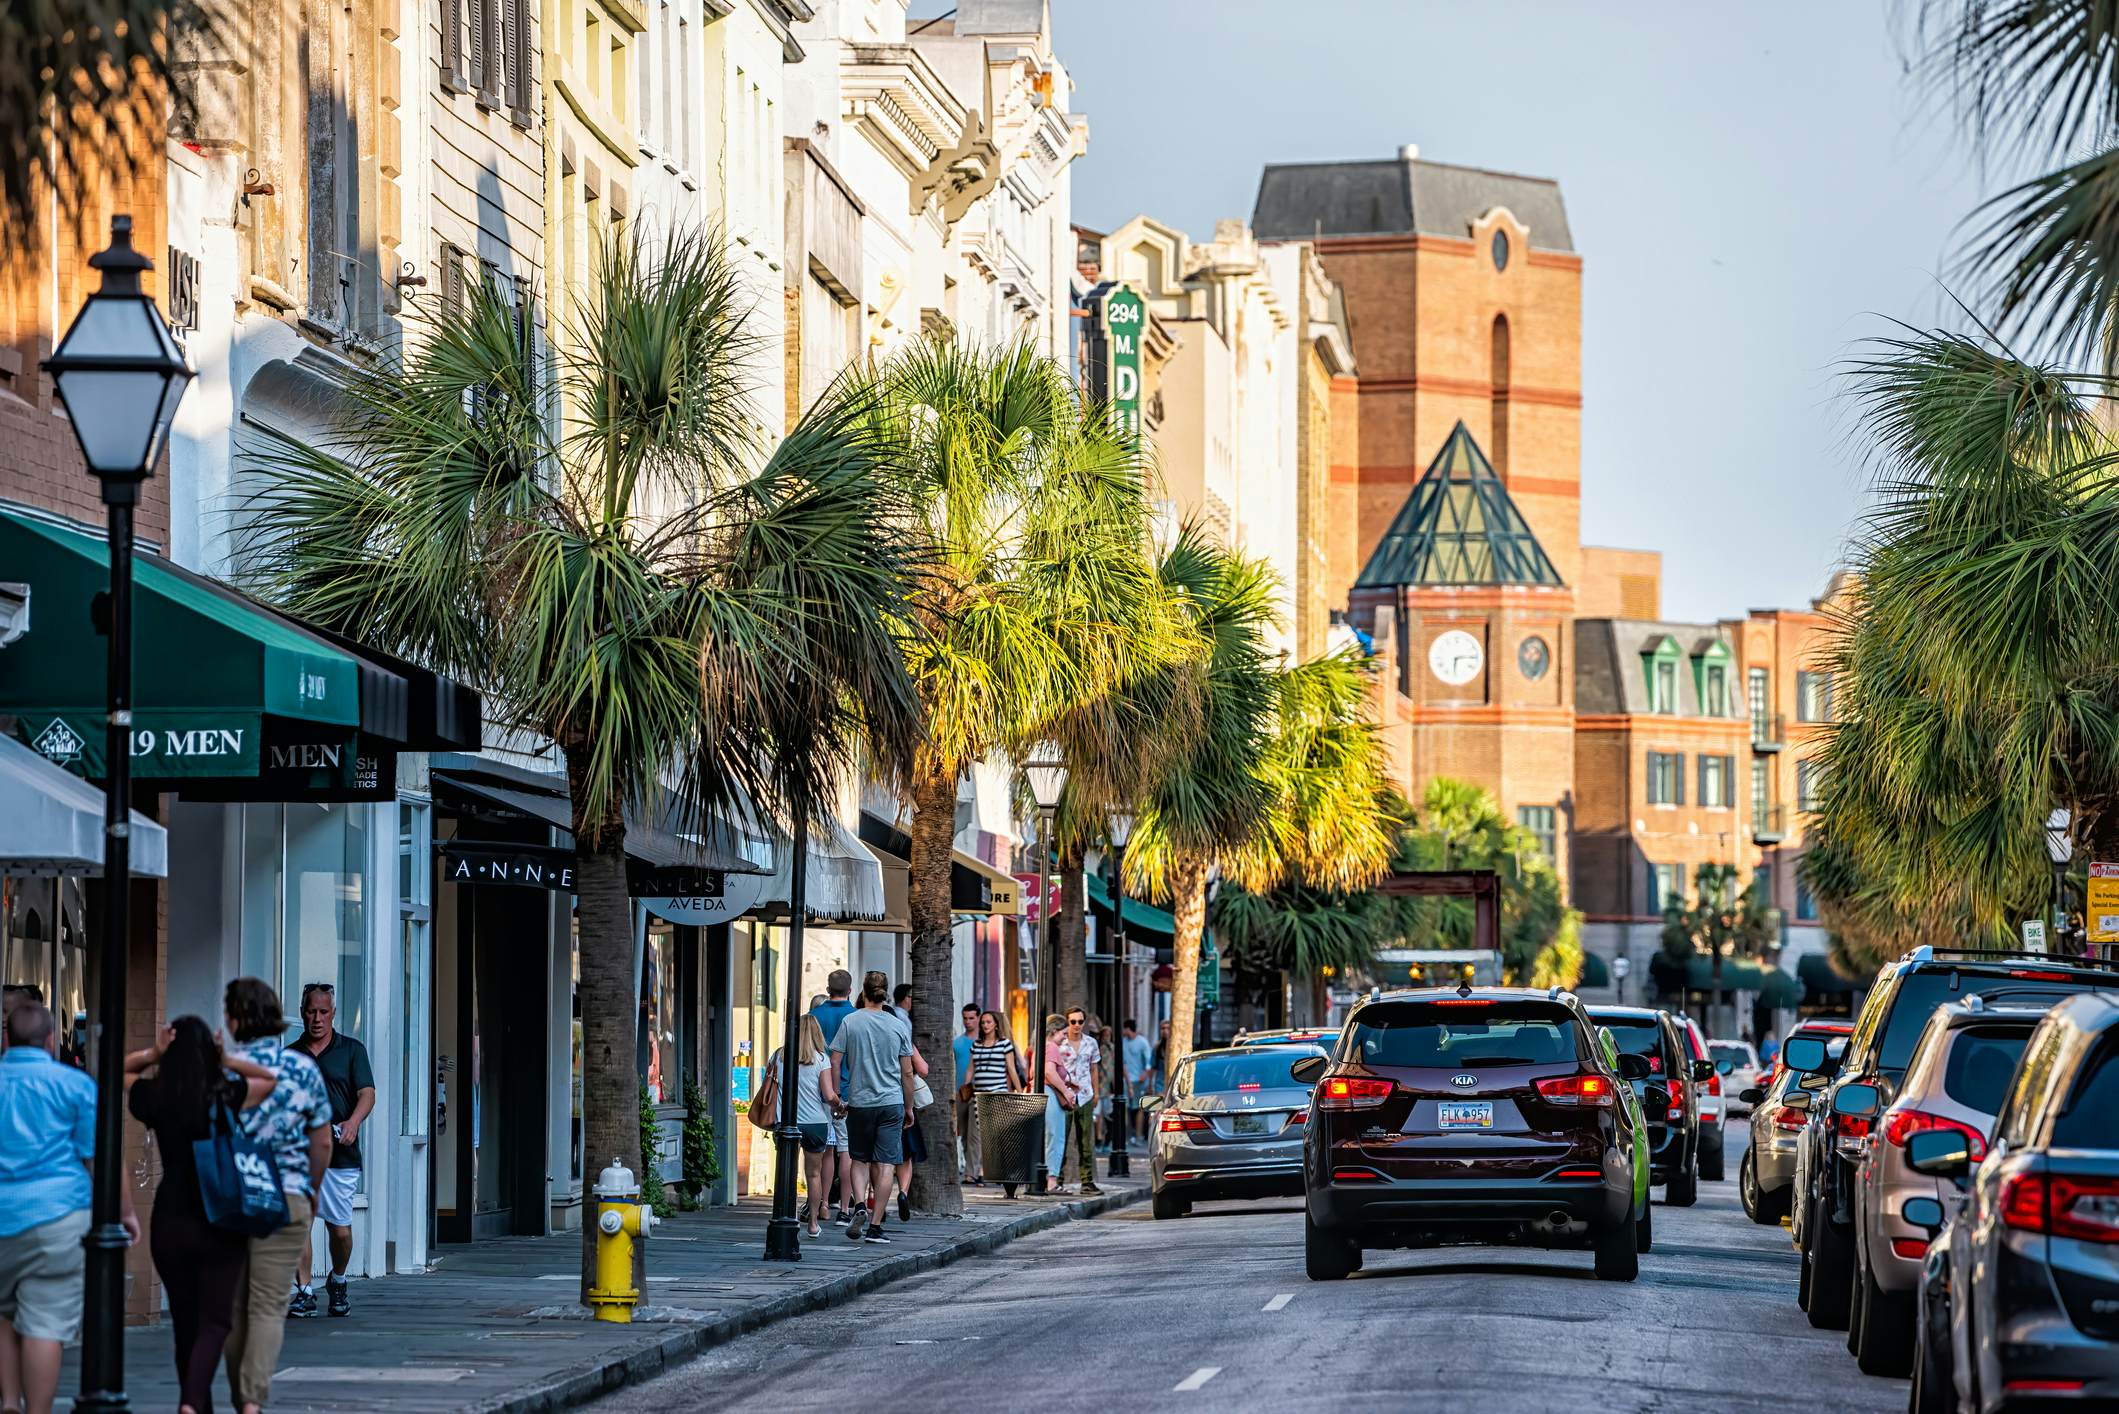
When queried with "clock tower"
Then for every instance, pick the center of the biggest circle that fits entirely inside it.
(1462, 596)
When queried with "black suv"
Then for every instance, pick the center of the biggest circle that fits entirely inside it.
(1495, 1116)
(1896, 1011)
(1667, 1093)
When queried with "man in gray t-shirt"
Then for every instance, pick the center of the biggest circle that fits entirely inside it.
(877, 1050)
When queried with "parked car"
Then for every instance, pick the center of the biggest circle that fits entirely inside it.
(1711, 1105)
(2031, 1263)
(1666, 1097)
(1230, 1126)
(1765, 1176)
(1737, 1063)
(1493, 1116)
(1890, 1024)
(1959, 1072)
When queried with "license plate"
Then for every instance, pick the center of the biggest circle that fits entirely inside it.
(1248, 1124)
(1467, 1114)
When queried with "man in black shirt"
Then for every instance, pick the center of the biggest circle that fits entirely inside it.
(350, 1083)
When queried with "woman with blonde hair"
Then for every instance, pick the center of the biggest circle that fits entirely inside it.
(816, 1101)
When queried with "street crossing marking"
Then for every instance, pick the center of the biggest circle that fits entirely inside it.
(1280, 1301)
(1197, 1378)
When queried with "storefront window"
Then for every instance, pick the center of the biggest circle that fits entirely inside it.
(415, 897)
(659, 1003)
(44, 945)
(304, 909)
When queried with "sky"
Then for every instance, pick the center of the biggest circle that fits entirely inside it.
(1755, 190)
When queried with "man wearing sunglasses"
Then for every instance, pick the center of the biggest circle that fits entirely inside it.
(350, 1084)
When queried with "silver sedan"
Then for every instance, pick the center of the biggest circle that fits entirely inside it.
(1230, 1126)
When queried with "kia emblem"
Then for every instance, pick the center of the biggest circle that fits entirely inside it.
(1464, 1080)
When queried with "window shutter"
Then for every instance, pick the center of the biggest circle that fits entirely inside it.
(452, 279)
(1677, 777)
(1702, 768)
(519, 62)
(452, 45)
(480, 41)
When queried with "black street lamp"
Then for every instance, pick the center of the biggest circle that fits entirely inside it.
(1118, 832)
(120, 373)
(1046, 772)
(783, 1234)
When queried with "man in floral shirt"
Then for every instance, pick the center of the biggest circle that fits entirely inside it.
(294, 1126)
(1079, 1053)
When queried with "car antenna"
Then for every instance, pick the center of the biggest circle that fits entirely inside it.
(1464, 988)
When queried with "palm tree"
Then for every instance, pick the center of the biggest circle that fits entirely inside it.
(1278, 778)
(1033, 586)
(723, 645)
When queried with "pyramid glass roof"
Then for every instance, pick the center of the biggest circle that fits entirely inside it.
(1458, 526)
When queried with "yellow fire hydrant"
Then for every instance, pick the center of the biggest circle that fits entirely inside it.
(621, 1218)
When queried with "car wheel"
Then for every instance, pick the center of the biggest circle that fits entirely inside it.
(1931, 1392)
(1884, 1344)
(1618, 1251)
(1803, 1279)
(1857, 1300)
(1683, 1190)
(1166, 1206)
(1756, 1205)
(1644, 1228)
(1831, 1271)
(1325, 1255)
(1712, 1163)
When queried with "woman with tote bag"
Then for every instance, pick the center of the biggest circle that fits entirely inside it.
(190, 1092)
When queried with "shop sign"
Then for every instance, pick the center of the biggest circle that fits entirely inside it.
(2103, 903)
(727, 897)
(302, 761)
(1006, 899)
(1125, 321)
(527, 866)
(1209, 974)
(165, 744)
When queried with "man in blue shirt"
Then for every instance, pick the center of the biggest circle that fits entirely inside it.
(961, 1049)
(47, 1141)
(834, 1009)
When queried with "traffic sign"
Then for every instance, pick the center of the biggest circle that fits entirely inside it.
(2034, 935)
(2103, 903)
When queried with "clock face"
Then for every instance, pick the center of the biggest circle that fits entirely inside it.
(1456, 657)
(1533, 657)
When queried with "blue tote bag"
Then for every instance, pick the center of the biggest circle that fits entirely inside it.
(238, 1182)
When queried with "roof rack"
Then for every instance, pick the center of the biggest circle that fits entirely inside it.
(1927, 953)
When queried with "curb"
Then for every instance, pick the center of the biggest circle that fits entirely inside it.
(658, 1353)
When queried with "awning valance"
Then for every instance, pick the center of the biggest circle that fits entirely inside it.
(53, 821)
(1139, 915)
(1775, 987)
(1596, 972)
(976, 889)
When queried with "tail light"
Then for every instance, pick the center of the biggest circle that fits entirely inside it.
(1576, 1090)
(1356, 1176)
(1173, 1122)
(1714, 1084)
(1851, 1126)
(2058, 1205)
(1790, 1119)
(1352, 1092)
(1299, 1117)
(1901, 1125)
(1579, 1173)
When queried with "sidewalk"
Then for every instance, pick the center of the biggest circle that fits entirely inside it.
(494, 1326)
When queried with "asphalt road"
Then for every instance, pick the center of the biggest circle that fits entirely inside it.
(1213, 1312)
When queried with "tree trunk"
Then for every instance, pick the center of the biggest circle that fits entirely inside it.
(610, 1006)
(1188, 905)
(934, 1179)
(1073, 960)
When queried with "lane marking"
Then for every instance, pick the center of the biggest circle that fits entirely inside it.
(1280, 1301)
(1197, 1378)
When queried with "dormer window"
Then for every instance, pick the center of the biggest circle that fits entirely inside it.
(1712, 672)
(1659, 662)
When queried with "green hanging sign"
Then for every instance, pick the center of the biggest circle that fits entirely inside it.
(1209, 974)
(1125, 322)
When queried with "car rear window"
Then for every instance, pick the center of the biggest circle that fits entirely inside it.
(2087, 1121)
(1268, 1070)
(1466, 1033)
(1639, 1038)
(1734, 1054)
(1982, 1062)
(1919, 993)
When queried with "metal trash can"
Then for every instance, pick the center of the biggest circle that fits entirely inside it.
(1011, 1128)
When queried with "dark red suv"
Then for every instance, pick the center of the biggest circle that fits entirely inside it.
(1493, 1116)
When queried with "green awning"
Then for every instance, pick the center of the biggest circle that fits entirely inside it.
(1138, 915)
(1739, 974)
(216, 680)
(1596, 972)
(1821, 979)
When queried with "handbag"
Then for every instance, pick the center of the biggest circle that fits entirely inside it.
(239, 1184)
(765, 1105)
(922, 1097)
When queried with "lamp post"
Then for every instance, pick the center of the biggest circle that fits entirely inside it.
(1118, 832)
(2060, 851)
(1046, 772)
(783, 1234)
(120, 373)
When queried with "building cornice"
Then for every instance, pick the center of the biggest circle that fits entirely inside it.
(900, 104)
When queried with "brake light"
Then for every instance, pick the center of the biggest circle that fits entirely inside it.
(1910, 1247)
(1714, 1084)
(2044, 1386)
(1462, 1001)
(2041, 976)
(1352, 1092)
(1579, 1173)
(2061, 1205)
(1175, 1123)
(1576, 1090)
(1356, 1176)
(1852, 1126)
(1901, 1125)
(1299, 1117)
(1792, 1119)
(1247, 1085)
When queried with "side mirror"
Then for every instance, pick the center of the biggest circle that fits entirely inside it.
(1804, 1053)
(1856, 1101)
(1703, 1070)
(1924, 1213)
(1796, 1100)
(1813, 1083)
(1751, 1095)
(1633, 1067)
(1939, 1153)
(1723, 1067)
(1309, 1070)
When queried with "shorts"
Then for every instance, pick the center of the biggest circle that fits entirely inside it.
(915, 1144)
(40, 1278)
(838, 1132)
(876, 1134)
(815, 1138)
(334, 1201)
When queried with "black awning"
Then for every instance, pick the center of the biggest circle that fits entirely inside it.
(969, 890)
(442, 714)
(660, 859)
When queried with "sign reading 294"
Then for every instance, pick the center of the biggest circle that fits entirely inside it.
(1125, 316)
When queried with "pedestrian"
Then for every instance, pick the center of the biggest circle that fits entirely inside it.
(1162, 1058)
(838, 1164)
(877, 1050)
(816, 1098)
(1078, 1050)
(922, 1096)
(1059, 1099)
(294, 1125)
(1138, 1058)
(350, 1083)
(996, 1068)
(201, 1265)
(1768, 1048)
(960, 1056)
(47, 1144)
